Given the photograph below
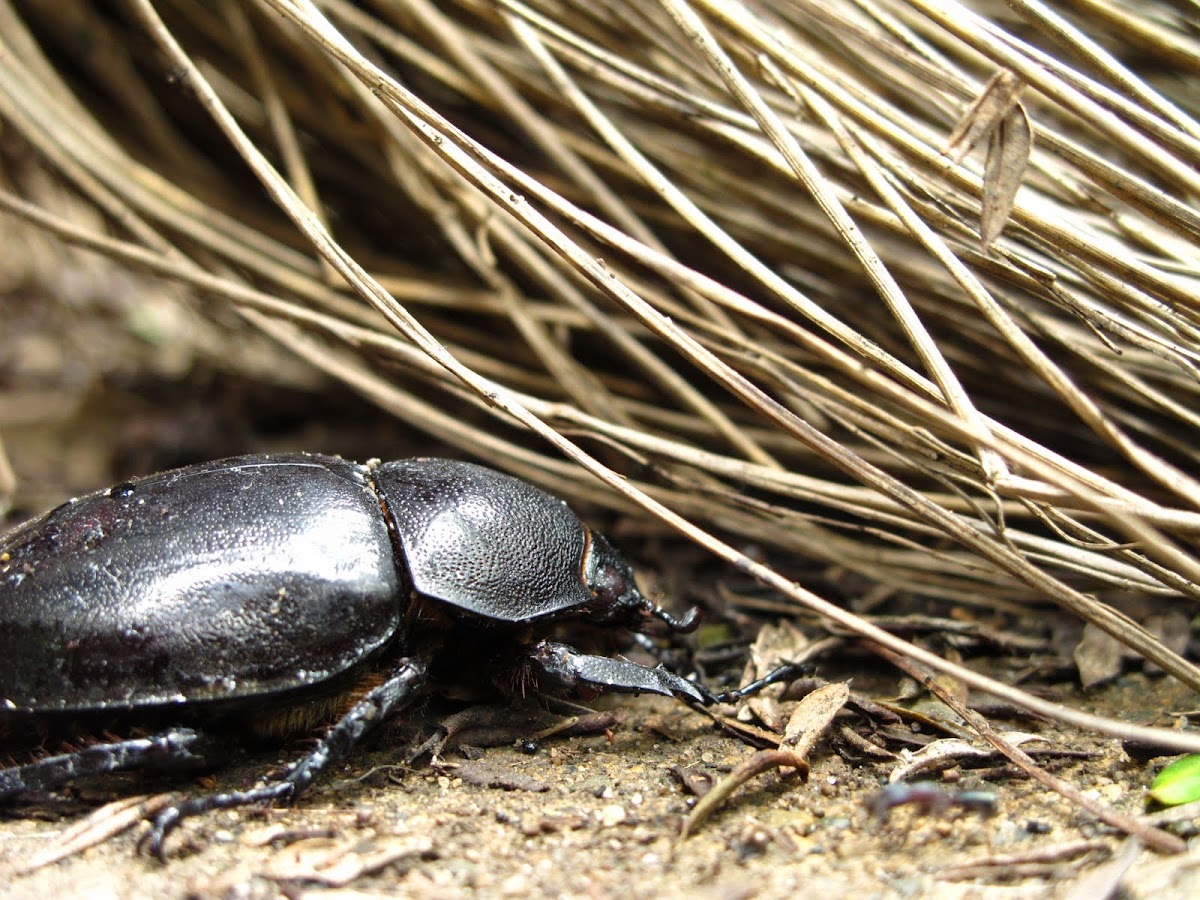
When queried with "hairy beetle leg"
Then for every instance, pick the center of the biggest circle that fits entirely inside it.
(404, 683)
(175, 748)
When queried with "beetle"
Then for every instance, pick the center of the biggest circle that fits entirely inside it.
(262, 595)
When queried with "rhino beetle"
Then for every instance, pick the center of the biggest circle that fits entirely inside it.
(263, 595)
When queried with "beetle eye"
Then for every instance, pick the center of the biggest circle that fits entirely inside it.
(610, 584)
(615, 597)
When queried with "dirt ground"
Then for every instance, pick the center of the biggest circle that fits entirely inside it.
(599, 816)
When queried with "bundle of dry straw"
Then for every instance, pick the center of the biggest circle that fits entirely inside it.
(903, 287)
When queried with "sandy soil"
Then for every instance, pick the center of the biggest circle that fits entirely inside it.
(599, 816)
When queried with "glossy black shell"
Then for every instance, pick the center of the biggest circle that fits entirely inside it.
(485, 542)
(249, 576)
(223, 580)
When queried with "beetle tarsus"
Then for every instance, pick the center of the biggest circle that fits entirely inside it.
(154, 842)
(786, 672)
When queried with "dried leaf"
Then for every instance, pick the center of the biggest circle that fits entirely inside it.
(339, 862)
(1007, 159)
(776, 643)
(1099, 656)
(863, 745)
(993, 104)
(483, 773)
(813, 716)
(940, 754)
(766, 710)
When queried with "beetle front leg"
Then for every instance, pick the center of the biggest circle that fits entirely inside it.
(175, 748)
(404, 683)
(563, 665)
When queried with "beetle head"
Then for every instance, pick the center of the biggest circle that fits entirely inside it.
(618, 600)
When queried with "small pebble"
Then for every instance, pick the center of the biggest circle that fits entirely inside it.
(613, 814)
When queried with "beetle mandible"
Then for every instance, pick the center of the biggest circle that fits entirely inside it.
(266, 593)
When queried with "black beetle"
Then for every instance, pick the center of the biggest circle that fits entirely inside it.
(265, 594)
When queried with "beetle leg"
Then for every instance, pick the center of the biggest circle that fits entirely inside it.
(651, 646)
(786, 672)
(573, 670)
(671, 657)
(402, 686)
(603, 673)
(175, 748)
